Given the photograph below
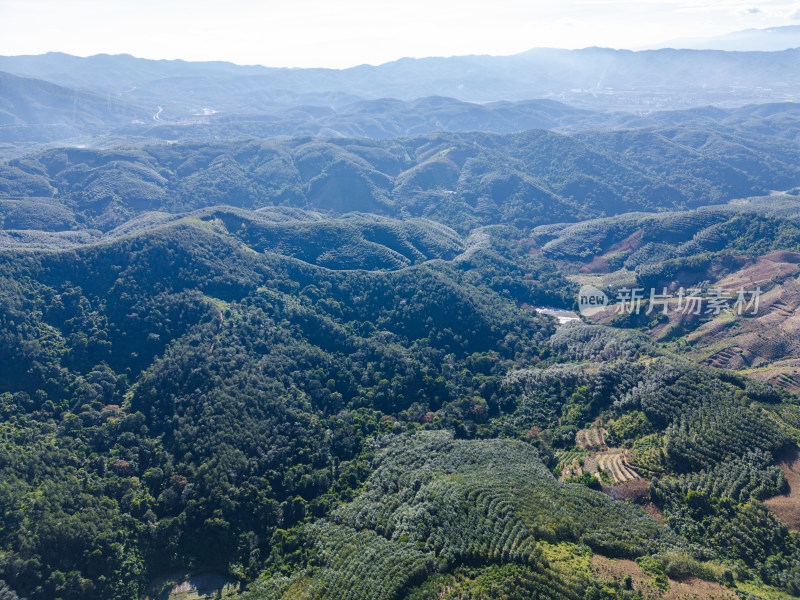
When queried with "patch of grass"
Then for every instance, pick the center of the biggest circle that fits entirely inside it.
(755, 591)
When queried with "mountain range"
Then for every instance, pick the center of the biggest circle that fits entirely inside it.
(597, 77)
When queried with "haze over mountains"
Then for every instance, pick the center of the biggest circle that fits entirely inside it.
(771, 39)
(103, 99)
(582, 75)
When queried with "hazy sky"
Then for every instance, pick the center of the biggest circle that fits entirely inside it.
(342, 33)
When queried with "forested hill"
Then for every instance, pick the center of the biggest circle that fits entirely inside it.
(200, 396)
(174, 399)
(460, 179)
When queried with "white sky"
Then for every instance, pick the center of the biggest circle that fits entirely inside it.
(342, 33)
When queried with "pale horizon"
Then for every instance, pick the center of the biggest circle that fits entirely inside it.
(355, 32)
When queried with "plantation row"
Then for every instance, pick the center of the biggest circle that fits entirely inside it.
(750, 476)
(433, 503)
(705, 435)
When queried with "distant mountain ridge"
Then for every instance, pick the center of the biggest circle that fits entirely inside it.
(770, 39)
(36, 113)
(598, 77)
(104, 100)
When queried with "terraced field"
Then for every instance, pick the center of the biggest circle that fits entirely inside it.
(566, 460)
(592, 438)
(754, 342)
(788, 381)
(723, 358)
(613, 461)
(740, 341)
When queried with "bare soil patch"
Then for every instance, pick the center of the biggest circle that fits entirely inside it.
(616, 570)
(630, 243)
(787, 506)
(655, 512)
(635, 490)
(598, 264)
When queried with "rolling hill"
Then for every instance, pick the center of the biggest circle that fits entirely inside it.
(33, 110)
(459, 179)
(207, 395)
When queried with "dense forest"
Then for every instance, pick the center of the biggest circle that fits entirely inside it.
(209, 395)
(327, 367)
